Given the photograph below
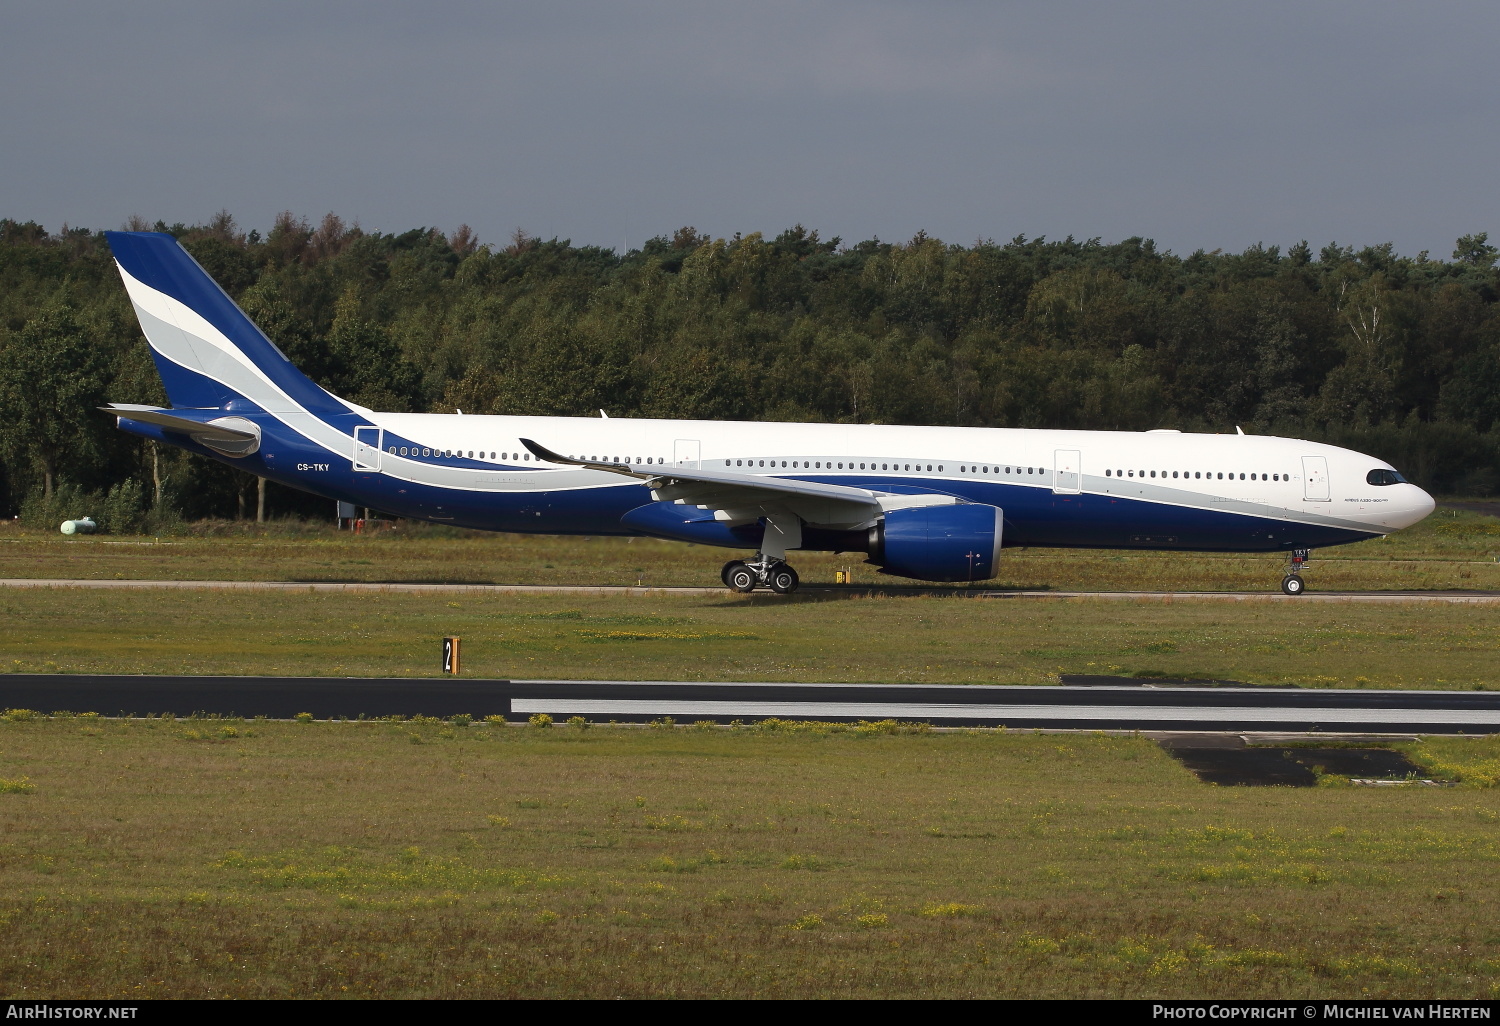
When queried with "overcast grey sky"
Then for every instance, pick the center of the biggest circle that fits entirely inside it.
(1212, 125)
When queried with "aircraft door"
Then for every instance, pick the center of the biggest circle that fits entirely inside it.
(1315, 479)
(1067, 473)
(687, 452)
(367, 442)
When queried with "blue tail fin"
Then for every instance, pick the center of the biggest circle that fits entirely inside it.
(209, 354)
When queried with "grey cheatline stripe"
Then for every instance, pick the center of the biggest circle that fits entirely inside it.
(1186, 498)
(377, 588)
(1008, 713)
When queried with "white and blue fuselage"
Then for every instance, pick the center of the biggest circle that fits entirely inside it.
(760, 486)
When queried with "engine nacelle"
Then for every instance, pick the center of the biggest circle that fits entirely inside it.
(939, 543)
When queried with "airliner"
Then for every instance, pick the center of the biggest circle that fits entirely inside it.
(927, 503)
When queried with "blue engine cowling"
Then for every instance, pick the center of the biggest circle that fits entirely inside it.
(939, 543)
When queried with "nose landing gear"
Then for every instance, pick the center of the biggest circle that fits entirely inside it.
(1291, 582)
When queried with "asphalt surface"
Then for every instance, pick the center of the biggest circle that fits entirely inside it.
(1228, 760)
(1127, 707)
(819, 591)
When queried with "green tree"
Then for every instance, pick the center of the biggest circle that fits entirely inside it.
(52, 381)
(1475, 250)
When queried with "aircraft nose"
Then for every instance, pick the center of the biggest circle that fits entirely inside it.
(1421, 506)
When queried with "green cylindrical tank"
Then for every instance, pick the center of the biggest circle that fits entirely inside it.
(83, 525)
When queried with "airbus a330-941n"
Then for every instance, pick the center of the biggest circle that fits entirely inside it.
(930, 503)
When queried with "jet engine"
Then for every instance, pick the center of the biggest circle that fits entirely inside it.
(939, 543)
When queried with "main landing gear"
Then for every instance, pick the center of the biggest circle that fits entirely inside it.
(763, 571)
(769, 567)
(1291, 582)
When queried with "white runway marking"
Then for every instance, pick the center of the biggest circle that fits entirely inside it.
(901, 711)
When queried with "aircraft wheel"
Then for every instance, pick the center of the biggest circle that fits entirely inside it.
(729, 569)
(1293, 585)
(742, 579)
(784, 580)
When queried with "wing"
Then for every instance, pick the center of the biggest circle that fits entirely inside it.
(742, 498)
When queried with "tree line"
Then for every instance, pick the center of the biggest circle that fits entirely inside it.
(1394, 355)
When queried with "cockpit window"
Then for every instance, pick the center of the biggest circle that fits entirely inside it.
(1384, 477)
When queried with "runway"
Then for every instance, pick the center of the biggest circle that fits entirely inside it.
(1124, 707)
(1481, 598)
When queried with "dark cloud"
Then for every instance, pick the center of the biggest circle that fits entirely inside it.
(1212, 125)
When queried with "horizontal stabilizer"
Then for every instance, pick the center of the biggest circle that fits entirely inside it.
(164, 418)
(232, 436)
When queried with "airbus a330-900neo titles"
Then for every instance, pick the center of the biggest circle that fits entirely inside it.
(930, 503)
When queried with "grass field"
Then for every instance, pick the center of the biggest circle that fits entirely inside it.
(1454, 549)
(422, 859)
(209, 859)
(701, 637)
